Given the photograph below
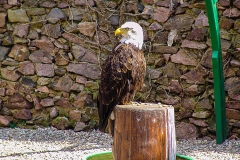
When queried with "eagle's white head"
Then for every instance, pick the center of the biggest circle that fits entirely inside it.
(131, 33)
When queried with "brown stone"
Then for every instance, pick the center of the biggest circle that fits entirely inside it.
(43, 89)
(225, 44)
(164, 3)
(61, 123)
(18, 15)
(193, 77)
(10, 90)
(184, 57)
(161, 14)
(158, 48)
(35, 11)
(44, 70)
(19, 52)
(226, 23)
(83, 2)
(10, 62)
(114, 20)
(155, 26)
(53, 112)
(170, 100)
(224, 3)
(40, 56)
(188, 103)
(80, 126)
(2, 93)
(9, 74)
(77, 87)
(102, 38)
(175, 87)
(3, 52)
(63, 84)
(183, 114)
(55, 15)
(193, 44)
(236, 43)
(4, 121)
(233, 104)
(23, 114)
(232, 86)
(47, 102)
(148, 1)
(236, 3)
(186, 131)
(73, 38)
(170, 70)
(148, 10)
(83, 55)
(202, 114)
(204, 104)
(81, 79)
(87, 28)
(230, 72)
(193, 90)
(60, 45)
(2, 30)
(231, 12)
(181, 22)
(88, 70)
(33, 35)
(236, 124)
(60, 71)
(207, 59)
(3, 19)
(17, 101)
(197, 34)
(201, 20)
(198, 122)
(7, 41)
(81, 100)
(153, 73)
(70, 28)
(159, 62)
(47, 4)
(37, 104)
(160, 37)
(51, 30)
(26, 68)
(235, 63)
(21, 30)
(75, 115)
(233, 114)
(64, 102)
(44, 44)
(61, 59)
(1, 101)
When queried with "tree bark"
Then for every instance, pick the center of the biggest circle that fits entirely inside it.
(144, 132)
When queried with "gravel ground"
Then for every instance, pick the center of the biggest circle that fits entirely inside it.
(52, 144)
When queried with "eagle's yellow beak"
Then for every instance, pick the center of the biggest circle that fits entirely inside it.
(120, 31)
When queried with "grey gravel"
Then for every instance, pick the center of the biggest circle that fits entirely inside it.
(50, 143)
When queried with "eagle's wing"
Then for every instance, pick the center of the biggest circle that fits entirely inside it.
(115, 78)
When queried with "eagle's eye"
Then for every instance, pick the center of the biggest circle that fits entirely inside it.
(134, 32)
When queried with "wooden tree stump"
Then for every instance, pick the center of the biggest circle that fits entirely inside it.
(144, 132)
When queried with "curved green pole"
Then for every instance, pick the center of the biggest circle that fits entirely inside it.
(218, 78)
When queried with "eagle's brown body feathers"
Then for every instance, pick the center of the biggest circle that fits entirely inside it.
(122, 75)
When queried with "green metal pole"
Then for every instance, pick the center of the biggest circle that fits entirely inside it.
(218, 77)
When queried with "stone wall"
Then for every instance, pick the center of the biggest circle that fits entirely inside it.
(51, 54)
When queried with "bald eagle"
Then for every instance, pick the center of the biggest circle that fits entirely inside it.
(122, 73)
